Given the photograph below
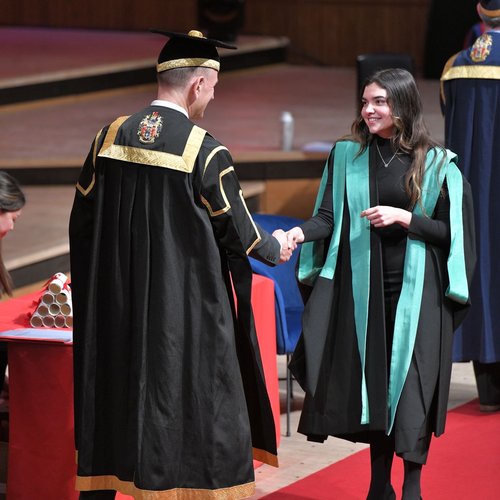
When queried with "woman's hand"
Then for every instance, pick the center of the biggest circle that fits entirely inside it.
(383, 216)
(294, 237)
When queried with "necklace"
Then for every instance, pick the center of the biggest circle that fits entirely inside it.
(386, 164)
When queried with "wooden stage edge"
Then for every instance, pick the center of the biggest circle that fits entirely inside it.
(254, 51)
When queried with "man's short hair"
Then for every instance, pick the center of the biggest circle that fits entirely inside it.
(179, 77)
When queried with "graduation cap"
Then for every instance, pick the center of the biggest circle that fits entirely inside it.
(490, 8)
(189, 51)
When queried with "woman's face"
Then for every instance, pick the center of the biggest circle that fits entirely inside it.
(376, 111)
(7, 221)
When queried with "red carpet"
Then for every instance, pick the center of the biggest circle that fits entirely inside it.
(463, 464)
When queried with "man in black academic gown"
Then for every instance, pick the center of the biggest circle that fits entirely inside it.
(170, 399)
(470, 100)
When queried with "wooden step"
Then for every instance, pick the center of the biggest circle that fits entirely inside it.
(74, 61)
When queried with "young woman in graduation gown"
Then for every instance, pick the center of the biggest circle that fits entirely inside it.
(389, 254)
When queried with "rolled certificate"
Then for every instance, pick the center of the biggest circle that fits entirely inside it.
(58, 282)
(36, 321)
(48, 321)
(63, 296)
(69, 321)
(42, 310)
(54, 309)
(66, 309)
(60, 321)
(48, 298)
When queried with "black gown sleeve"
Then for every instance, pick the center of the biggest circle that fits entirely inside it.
(320, 226)
(436, 229)
(233, 225)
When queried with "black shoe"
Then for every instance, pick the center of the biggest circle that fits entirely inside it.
(389, 494)
(489, 408)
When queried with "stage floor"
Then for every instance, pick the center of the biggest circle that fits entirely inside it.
(44, 54)
(245, 114)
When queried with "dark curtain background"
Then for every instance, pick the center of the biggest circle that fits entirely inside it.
(449, 22)
(221, 19)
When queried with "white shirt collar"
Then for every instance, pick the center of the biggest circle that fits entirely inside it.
(171, 105)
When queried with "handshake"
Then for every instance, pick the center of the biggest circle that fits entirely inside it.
(288, 241)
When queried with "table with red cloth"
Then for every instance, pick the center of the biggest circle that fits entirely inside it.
(41, 461)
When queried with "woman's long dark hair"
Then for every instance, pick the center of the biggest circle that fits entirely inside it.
(11, 200)
(410, 131)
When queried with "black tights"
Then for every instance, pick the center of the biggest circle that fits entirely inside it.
(411, 485)
(381, 457)
(98, 495)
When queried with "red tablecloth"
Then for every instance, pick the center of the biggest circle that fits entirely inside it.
(41, 447)
(15, 313)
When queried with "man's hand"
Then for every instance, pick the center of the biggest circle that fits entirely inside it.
(285, 252)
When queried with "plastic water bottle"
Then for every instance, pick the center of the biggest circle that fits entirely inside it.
(287, 131)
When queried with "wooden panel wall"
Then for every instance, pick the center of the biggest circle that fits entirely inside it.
(334, 32)
(331, 32)
(292, 197)
(101, 14)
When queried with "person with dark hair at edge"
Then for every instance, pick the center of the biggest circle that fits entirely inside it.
(12, 201)
(389, 254)
(170, 396)
(470, 99)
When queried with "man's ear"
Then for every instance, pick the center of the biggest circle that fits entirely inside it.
(197, 84)
(193, 90)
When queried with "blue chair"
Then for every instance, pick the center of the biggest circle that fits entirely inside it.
(289, 304)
